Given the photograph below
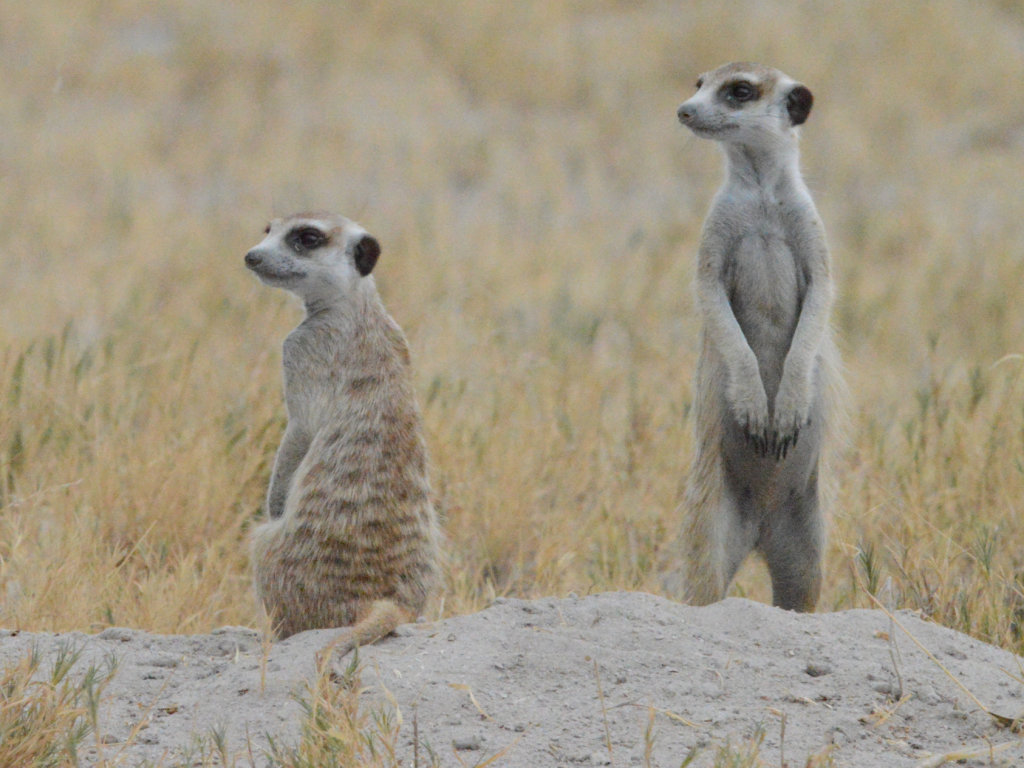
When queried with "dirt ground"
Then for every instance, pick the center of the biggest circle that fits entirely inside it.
(623, 679)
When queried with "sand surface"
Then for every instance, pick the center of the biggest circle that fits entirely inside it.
(623, 679)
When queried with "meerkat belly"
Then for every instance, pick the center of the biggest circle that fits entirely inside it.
(765, 296)
(760, 485)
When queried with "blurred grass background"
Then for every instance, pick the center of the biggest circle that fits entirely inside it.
(539, 208)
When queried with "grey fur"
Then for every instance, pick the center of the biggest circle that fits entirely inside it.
(768, 368)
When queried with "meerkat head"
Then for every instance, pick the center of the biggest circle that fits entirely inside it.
(748, 104)
(315, 256)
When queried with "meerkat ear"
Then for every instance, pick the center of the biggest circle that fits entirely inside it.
(365, 254)
(798, 104)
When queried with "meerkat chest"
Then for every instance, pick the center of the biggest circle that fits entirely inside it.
(765, 289)
(317, 370)
(762, 270)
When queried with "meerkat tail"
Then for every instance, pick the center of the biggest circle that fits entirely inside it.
(384, 617)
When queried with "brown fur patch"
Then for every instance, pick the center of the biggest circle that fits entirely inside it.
(365, 528)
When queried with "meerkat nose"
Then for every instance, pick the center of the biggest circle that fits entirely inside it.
(686, 112)
(253, 259)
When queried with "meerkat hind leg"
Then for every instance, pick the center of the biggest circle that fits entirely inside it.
(793, 549)
(727, 539)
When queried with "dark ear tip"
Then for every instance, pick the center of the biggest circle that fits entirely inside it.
(365, 254)
(799, 103)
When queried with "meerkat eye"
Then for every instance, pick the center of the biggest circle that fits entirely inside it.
(742, 91)
(266, 230)
(306, 238)
(310, 238)
(700, 83)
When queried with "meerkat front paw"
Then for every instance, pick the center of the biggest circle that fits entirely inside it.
(792, 413)
(749, 405)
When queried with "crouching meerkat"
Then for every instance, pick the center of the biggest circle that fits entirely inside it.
(352, 538)
(768, 368)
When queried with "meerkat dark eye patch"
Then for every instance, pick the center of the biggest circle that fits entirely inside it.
(740, 91)
(303, 239)
(365, 254)
(798, 104)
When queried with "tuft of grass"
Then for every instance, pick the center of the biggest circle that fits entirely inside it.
(47, 716)
(336, 730)
(209, 750)
(743, 755)
(747, 754)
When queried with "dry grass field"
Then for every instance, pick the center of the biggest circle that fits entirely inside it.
(539, 208)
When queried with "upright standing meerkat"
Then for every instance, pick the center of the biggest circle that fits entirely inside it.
(352, 539)
(768, 365)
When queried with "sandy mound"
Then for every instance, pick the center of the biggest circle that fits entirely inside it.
(551, 682)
